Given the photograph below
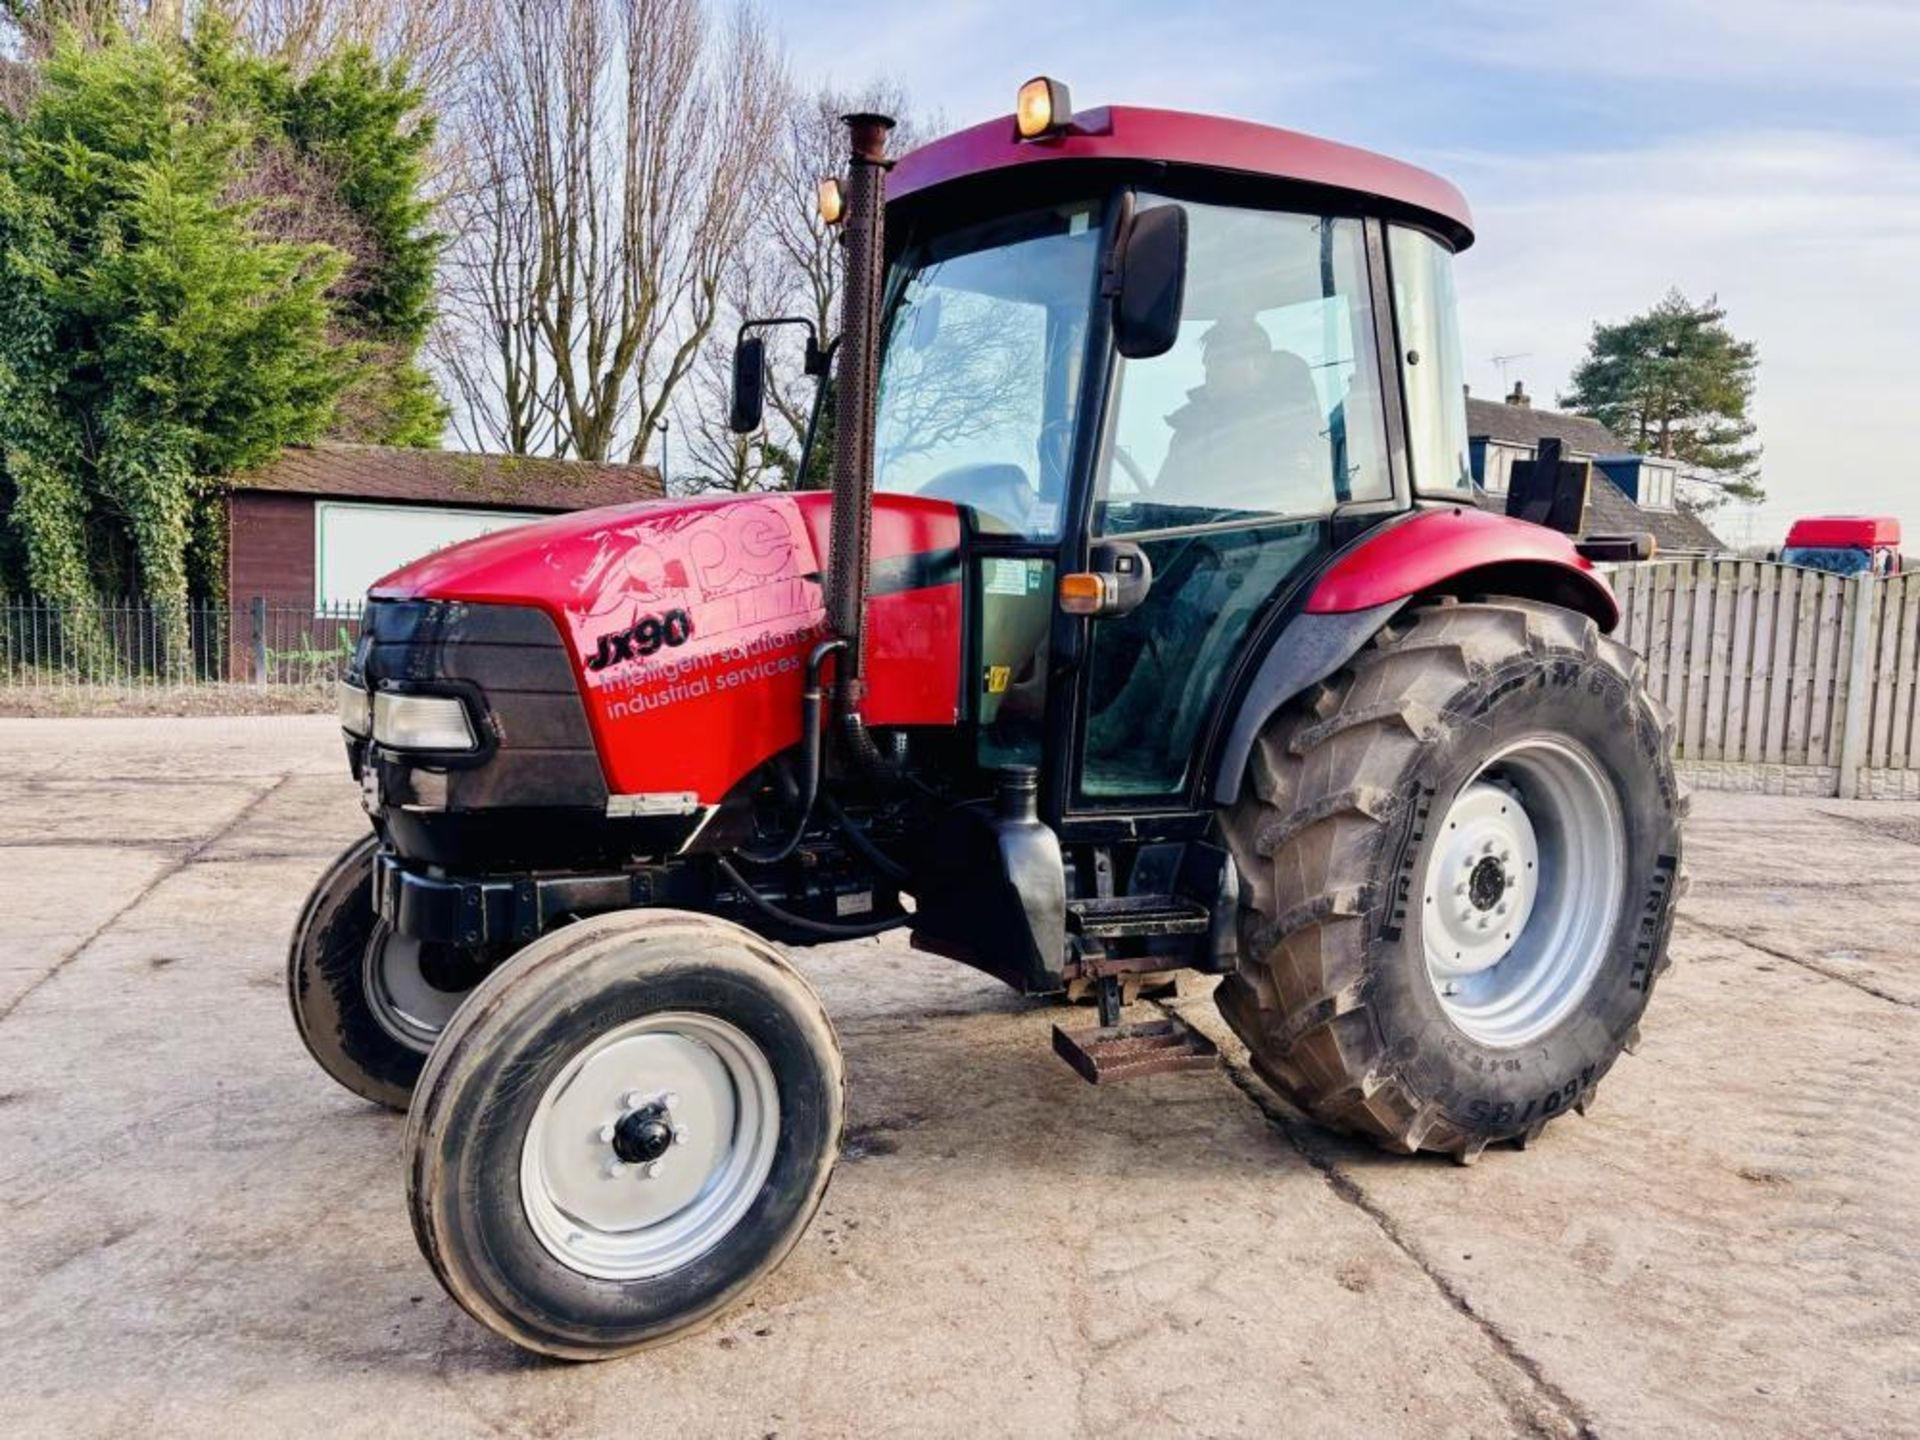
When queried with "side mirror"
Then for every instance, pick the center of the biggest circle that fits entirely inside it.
(749, 385)
(1153, 282)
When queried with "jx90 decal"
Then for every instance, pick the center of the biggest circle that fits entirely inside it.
(643, 638)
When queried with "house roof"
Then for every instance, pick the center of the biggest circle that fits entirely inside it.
(1528, 425)
(1610, 511)
(449, 477)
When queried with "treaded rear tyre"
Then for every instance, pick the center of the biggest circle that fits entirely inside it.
(1334, 836)
(530, 1069)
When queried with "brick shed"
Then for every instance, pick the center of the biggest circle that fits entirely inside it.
(307, 534)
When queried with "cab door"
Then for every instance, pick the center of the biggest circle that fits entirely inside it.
(1223, 465)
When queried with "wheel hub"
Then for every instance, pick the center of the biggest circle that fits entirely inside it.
(1487, 883)
(644, 1135)
(1524, 889)
(1480, 882)
(649, 1145)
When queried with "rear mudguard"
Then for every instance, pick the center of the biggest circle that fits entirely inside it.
(1430, 552)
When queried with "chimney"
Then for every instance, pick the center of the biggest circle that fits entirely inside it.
(1520, 397)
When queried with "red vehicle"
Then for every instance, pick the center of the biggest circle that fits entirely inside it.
(1148, 625)
(1845, 544)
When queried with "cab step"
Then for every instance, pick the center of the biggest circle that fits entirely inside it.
(1127, 917)
(1113, 1053)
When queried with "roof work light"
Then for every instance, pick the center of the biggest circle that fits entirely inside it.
(831, 201)
(1043, 108)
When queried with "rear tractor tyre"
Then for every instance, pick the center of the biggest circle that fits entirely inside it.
(368, 1003)
(1459, 861)
(627, 1126)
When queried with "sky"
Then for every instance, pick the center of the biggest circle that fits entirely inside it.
(1762, 151)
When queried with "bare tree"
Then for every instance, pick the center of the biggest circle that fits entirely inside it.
(793, 268)
(614, 146)
(436, 39)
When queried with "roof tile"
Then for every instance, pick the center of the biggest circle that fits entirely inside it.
(448, 477)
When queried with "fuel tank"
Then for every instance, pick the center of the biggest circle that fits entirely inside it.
(688, 622)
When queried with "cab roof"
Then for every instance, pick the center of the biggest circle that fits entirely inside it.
(1179, 139)
(1844, 532)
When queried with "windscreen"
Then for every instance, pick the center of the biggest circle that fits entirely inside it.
(1835, 562)
(985, 344)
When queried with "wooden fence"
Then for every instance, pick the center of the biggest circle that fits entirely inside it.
(1781, 678)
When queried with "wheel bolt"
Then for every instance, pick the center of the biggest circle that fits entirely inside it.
(613, 1169)
(679, 1134)
(635, 1099)
(653, 1169)
(606, 1134)
(670, 1099)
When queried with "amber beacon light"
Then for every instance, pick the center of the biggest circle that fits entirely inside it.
(1043, 108)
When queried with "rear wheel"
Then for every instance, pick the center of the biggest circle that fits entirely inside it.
(629, 1124)
(368, 1003)
(1459, 861)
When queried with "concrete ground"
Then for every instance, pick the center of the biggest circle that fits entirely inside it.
(200, 1235)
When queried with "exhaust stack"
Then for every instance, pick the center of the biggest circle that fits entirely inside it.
(856, 379)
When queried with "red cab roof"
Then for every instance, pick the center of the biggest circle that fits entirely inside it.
(1173, 137)
(1844, 532)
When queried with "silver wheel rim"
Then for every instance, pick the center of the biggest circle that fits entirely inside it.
(407, 1005)
(1523, 891)
(618, 1219)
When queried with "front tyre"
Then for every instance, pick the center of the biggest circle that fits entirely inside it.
(1459, 862)
(368, 1003)
(628, 1126)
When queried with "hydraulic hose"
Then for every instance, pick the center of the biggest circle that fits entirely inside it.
(800, 922)
(812, 726)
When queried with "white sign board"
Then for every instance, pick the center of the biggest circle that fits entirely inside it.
(355, 545)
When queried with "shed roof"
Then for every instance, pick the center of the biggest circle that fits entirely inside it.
(450, 477)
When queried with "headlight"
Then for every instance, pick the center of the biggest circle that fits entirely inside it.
(355, 707)
(421, 722)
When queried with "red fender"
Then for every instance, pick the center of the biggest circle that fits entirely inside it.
(1440, 549)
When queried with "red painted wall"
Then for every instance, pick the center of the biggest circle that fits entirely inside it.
(269, 549)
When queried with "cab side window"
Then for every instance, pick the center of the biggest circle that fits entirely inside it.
(1269, 403)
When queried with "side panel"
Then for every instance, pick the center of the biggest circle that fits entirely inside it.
(688, 623)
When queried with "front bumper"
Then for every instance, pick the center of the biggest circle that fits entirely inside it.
(513, 909)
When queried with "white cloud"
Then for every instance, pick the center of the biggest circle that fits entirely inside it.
(1812, 242)
(1796, 42)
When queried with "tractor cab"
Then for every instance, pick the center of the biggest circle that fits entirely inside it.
(1845, 544)
(1166, 365)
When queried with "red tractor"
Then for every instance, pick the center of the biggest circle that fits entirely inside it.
(1148, 625)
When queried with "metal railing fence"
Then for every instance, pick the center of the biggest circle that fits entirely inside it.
(136, 645)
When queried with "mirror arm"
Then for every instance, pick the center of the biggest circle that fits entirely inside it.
(818, 357)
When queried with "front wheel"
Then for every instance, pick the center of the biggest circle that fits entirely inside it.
(369, 1003)
(627, 1126)
(1459, 862)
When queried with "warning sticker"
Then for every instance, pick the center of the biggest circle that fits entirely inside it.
(1007, 577)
